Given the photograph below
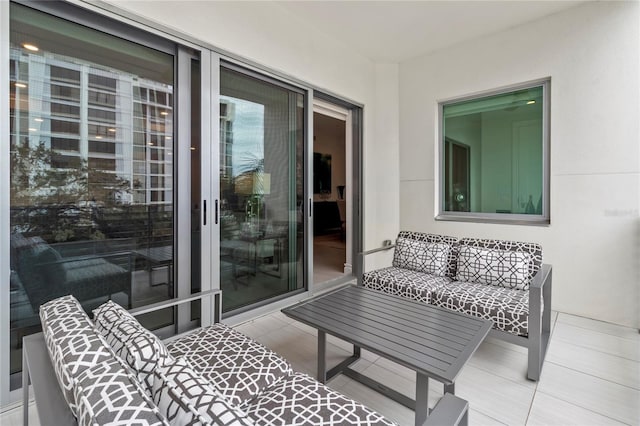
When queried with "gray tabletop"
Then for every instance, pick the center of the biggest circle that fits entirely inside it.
(432, 341)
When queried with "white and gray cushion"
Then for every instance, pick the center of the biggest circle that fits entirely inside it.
(534, 249)
(108, 394)
(185, 397)
(72, 343)
(138, 347)
(507, 308)
(301, 400)
(404, 282)
(504, 268)
(238, 367)
(431, 251)
(107, 315)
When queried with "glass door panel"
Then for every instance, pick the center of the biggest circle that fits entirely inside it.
(92, 176)
(261, 189)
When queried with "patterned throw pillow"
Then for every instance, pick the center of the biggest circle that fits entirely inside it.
(72, 343)
(504, 268)
(421, 256)
(106, 315)
(108, 394)
(185, 397)
(139, 348)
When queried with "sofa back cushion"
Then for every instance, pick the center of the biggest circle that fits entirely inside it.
(72, 343)
(108, 393)
(429, 253)
(134, 344)
(185, 397)
(508, 264)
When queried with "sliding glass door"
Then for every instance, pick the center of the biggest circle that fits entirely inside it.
(262, 127)
(93, 195)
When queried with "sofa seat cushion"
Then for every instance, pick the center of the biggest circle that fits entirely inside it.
(301, 400)
(72, 343)
(404, 282)
(109, 394)
(507, 308)
(185, 397)
(238, 367)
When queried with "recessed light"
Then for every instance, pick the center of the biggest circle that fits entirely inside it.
(31, 47)
(167, 137)
(39, 120)
(33, 129)
(98, 137)
(531, 102)
(169, 153)
(150, 143)
(193, 148)
(20, 85)
(112, 130)
(164, 113)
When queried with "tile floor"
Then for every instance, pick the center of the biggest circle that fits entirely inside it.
(591, 376)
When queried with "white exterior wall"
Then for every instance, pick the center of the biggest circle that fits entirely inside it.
(591, 52)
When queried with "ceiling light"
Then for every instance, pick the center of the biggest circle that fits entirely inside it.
(39, 120)
(20, 85)
(150, 143)
(193, 148)
(164, 113)
(112, 130)
(31, 47)
(167, 137)
(33, 129)
(98, 137)
(531, 102)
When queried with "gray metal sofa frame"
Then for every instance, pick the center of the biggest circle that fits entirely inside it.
(537, 340)
(39, 372)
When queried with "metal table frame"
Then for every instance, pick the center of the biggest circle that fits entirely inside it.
(434, 342)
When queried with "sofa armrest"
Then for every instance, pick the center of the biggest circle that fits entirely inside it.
(541, 278)
(360, 260)
(216, 294)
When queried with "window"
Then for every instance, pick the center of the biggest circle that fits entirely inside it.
(494, 156)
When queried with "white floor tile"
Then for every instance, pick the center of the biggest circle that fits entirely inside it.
(600, 326)
(503, 361)
(607, 343)
(548, 410)
(601, 396)
(596, 363)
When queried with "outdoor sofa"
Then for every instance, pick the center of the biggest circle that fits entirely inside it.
(502, 281)
(113, 371)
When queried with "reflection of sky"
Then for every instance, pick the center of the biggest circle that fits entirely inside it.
(248, 134)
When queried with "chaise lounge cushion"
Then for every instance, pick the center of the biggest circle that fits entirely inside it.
(237, 367)
(507, 308)
(404, 282)
(108, 393)
(185, 397)
(301, 400)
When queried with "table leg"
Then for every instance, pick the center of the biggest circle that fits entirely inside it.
(322, 356)
(422, 398)
(356, 351)
(451, 388)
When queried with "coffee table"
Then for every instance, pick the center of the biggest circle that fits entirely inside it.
(434, 342)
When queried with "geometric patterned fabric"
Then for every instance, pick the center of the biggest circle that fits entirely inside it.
(72, 343)
(421, 256)
(301, 400)
(507, 308)
(535, 251)
(236, 366)
(185, 397)
(134, 344)
(404, 282)
(108, 394)
(432, 250)
(502, 268)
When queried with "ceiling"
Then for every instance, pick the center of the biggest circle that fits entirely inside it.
(394, 31)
